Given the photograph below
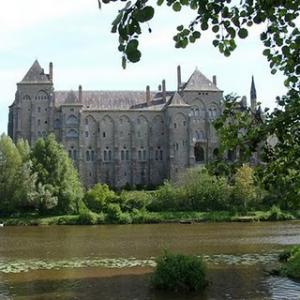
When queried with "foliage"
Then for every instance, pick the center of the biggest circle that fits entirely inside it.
(276, 214)
(204, 192)
(231, 20)
(164, 198)
(87, 217)
(113, 213)
(244, 190)
(54, 168)
(97, 197)
(279, 171)
(17, 183)
(179, 272)
(227, 21)
(131, 200)
(292, 263)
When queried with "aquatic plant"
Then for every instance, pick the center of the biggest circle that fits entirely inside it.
(178, 272)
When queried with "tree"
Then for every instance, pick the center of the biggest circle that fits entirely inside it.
(56, 172)
(229, 20)
(17, 183)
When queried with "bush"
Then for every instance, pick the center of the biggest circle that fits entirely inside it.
(292, 266)
(177, 272)
(143, 216)
(125, 218)
(113, 213)
(276, 214)
(135, 200)
(205, 192)
(87, 218)
(165, 198)
(97, 198)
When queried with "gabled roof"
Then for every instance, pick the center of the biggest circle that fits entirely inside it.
(177, 100)
(35, 74)
(198, 82)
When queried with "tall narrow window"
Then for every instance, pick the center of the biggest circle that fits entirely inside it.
(88, 156)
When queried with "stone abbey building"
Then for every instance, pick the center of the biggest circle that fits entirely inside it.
(121, 137)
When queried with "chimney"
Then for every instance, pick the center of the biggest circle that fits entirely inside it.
(164, 91)
(148, 95)
(215, 80)
(159, 87)
(51, 71)
(178, 77)
(80, 94)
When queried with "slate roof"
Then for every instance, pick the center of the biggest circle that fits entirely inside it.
(198, 82)
(110, 100)
(35, 74)
(177, 100)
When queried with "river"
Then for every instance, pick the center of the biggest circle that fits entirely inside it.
(115, 262)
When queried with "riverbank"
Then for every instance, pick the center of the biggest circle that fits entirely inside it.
(145, 217)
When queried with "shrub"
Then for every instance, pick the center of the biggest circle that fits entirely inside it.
(143, 216)
(125, 218)
(179, 272)
(276, 214)
(97, 198)
(87, 218)
(113, 213)
(135, 200)
(204, 192)
(165, 198)
(292, 266)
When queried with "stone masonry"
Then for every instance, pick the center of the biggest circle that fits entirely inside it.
(121, 137)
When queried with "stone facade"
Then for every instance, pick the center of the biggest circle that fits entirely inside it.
(121, 137)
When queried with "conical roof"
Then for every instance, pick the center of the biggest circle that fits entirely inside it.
(177, 100)
(35, 74)
(198, 82)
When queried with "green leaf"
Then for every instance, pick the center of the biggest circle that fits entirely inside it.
(180, 28)
(117, 20)
(204, 26)
(215, 28)
(215, 43)
(159, 2)
(243, 33)
(132, 46)
(134, 56)
(145, 14)
(196, 34)
(176, 6)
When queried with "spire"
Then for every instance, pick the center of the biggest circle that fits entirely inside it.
(253, 96)
(35, 74)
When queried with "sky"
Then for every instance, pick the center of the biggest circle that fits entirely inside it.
(75, 35)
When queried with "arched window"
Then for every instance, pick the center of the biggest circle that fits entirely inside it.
(72, 119)
(199, 153)
(72, 133)
(216, 153)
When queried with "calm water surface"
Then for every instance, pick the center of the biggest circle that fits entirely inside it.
(115, 262)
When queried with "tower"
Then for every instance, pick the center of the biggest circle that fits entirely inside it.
(32, 109)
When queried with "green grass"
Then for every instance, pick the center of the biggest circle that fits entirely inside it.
(146, 217)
